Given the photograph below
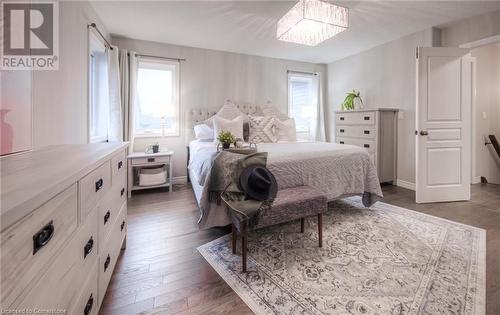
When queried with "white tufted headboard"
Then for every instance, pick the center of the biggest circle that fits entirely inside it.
(196, 116)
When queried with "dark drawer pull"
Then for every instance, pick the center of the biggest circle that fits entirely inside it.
(341, 118)
(98, 184)
(367, 132)
(106, 217)
(120, 164)
(88, 306)
(122, 191)
(88, 247)
(106, 263)
(341, 142)
(367, 117)
(122, 226)
(42, 237)
(366, 145)
(151, 159)
(341, 130)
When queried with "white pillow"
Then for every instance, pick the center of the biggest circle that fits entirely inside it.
(285, 130)
(234, 126)
(262, 129)
(203, 132)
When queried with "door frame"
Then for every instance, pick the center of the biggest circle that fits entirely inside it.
(475, 179)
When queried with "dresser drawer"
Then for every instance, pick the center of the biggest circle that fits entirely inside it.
(111, 250)
(92, 188)
(368, 132)
(355, 118)
(369, 145)
(109, 209)
(87, 303)
(118, 166)
(29, 246)
(61, 284)
(153, 159)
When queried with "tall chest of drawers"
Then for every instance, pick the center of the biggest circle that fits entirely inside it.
(376, 131)
(63, 224)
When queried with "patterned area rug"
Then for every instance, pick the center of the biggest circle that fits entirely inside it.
(383, 260)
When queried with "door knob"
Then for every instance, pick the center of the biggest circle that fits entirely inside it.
(424, 132)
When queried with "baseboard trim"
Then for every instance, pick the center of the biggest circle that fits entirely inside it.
(179, 180)
(476, 179)
(405, 184)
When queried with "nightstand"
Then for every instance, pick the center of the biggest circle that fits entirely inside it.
(140, 160)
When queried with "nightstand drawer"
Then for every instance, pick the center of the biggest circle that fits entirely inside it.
(153, 159)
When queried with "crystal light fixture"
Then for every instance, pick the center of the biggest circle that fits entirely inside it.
(311, 22)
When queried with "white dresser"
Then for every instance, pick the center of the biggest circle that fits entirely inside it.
(63, 224)
(376, 131)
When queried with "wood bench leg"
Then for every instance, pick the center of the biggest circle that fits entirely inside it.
(234, 238)
(320, 229)
(302, 225)
(244, 252)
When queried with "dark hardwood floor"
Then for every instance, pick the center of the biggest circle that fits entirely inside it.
(161, 272)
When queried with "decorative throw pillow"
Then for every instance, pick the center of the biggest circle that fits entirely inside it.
(234, 126)
(285, 130)
(262, 129)
(203, 132)
(271, 110)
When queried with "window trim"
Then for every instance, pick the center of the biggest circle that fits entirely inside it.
(290, 74)
(177, 83)
(94, 44)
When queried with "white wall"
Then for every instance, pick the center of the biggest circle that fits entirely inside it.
(209, 77)
(487, 102)
(386, 77)
(60, 97)
(471, 29)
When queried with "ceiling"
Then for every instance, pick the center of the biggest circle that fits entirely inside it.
(249, 27)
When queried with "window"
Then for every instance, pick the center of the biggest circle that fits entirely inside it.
(157, 104)
(98, 90)
(303, 103)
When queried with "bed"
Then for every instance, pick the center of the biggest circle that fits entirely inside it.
(338, 170)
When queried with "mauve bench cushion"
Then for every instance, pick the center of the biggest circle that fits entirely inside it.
(292, 204)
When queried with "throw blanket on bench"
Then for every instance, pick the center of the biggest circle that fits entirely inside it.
(221, 174)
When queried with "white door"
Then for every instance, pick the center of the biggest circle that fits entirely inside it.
(443, 124)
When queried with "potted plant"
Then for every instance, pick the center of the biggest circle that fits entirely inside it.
(226, 138)
(351, 100)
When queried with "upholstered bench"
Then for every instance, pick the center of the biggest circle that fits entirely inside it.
(290, 204)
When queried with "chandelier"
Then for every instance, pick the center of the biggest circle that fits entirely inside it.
(311, 22)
